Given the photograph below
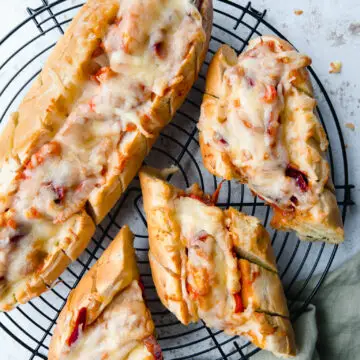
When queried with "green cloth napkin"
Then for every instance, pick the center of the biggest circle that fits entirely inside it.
(330, 328)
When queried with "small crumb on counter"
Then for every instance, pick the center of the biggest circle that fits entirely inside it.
(354, 29)
(335, 67)
(346, 146)
(350, 126)
(298, 12)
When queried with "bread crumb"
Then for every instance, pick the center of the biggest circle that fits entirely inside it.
(346, 146)
(298, 12)
(335, 67)
(350, 126)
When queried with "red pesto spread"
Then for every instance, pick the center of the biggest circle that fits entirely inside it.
(80, 321)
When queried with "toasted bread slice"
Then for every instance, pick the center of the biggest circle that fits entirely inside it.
(258, 125)
(105, 315)
(201, 260)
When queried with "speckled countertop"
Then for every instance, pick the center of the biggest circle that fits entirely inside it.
(327, 31)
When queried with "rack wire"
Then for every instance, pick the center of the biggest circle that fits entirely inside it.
(31, 325)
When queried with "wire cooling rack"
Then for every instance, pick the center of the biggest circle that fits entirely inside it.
(31, 325)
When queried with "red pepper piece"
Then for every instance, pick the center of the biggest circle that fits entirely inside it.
(239, 307)
(202, 235)
(223, 141)
(191, 291)
(130, 127)
(102, 74)
(215, 195)
(300, 178)
(104, 170)
(250, 81)
(14, 239)
(33, 213)
(159, 49)
(92, 105)
(270, 94)
(11, 223)
(99, 50)
(271, 45)
(204, 200)
(60, 192)
(80, 321)
(153, 347)
(220, 139)
(142, 287)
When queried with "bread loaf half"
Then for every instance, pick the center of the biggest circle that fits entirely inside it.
(109, 87)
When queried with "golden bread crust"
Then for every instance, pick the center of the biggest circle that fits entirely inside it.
(329, 225)
(164, 232)
(256, 291)
(168, 287)
(102, 199)
(274, 333)
(7, 138)
(251, 240)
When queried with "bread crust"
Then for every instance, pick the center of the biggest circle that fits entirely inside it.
(256, 291)
(322, 221)
(224, 58)
(102, 199)
(281, 342)
(9, 163)
(164, 232)
(112, 273)
(328, 226)
(168, 287)
(215, 161)
(251, 240)
(7, 138)
(174, 252)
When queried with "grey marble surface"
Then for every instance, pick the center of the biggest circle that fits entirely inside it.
(327, 31)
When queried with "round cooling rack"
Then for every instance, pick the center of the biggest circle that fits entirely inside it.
(22, 55)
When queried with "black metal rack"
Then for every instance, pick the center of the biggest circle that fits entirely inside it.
(31, 325)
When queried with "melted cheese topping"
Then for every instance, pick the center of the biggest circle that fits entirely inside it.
(210, 276)
(246, 123)
(211, 268)
(24, 250)
(145, 24)
(119, 331)
(141, 54)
